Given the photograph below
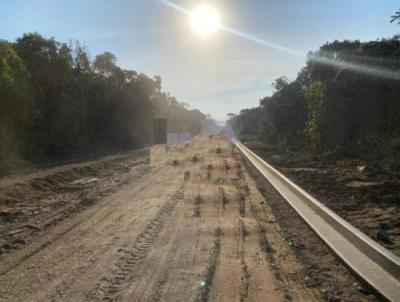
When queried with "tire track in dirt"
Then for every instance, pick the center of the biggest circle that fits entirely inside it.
(171, 272)
(276, 251)
(60, 235)
(160, 288)
(110, 285)
(163, 238)
(274, 263)
(163, 278)
(82, 271)
(207, 282)
(241, 253)
(79, 265)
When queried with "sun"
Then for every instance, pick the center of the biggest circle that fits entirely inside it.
(205, 20)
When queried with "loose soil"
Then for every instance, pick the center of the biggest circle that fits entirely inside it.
(187, 223)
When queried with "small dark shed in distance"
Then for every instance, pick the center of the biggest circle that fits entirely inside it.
(160, 131)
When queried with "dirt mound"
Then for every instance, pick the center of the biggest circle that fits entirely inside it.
(27, 208)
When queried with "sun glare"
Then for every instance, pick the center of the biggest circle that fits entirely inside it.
(205, 20)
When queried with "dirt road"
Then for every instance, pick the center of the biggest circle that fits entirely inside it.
(183, 224)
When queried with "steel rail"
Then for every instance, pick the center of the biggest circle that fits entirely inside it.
(373, 263)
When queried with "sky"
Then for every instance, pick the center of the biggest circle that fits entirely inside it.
(220, 74)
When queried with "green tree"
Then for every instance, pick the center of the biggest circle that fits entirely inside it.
(315, 123)
(15, 101)
(285, 113)
(105, 63)
(65, 105)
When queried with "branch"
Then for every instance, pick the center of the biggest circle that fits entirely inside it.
(396, 17)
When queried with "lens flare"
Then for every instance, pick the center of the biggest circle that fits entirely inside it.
(205, 21)
(260, 41)
(175, 7)
(360, 68)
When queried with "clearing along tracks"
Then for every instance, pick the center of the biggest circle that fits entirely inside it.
(187, 225)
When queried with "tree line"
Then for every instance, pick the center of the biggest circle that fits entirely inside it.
(344, 102)
(55, 102)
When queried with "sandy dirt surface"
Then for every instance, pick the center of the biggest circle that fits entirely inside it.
(187, 223)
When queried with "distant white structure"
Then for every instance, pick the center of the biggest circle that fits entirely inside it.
(178, 138)
(172, 138)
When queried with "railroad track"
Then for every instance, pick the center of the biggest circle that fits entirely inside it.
(373, 263)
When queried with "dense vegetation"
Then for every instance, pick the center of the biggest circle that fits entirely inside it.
(344, 102)
(56, 103)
